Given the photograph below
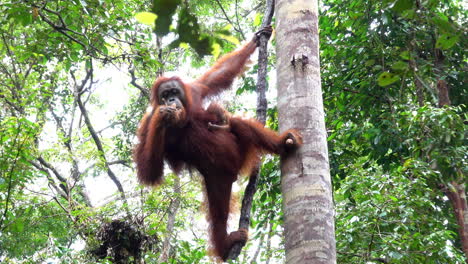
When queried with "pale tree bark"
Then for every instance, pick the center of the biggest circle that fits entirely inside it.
(257, 251)
(173, 208)
(268, 245)
(305, 183)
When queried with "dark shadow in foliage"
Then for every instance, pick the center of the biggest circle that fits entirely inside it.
(188, 29)
(123, 242)
(164, 9)
(190, 32)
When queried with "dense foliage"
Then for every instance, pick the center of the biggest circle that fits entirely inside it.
(394, 151)
(74, 81)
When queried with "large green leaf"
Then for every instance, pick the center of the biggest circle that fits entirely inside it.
(165, 10)
(446, 41)
(402, 5)
(146, 18)
(387, 78)
(443, 24)
(400, 65)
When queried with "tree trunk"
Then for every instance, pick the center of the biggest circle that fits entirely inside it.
(442, 87)
(306, 183)
(417, 83)
(456, 192)
(443, 92)
(457, 195)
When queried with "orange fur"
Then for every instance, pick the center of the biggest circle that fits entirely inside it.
(183, 138)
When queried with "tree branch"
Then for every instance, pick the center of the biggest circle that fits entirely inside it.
(235, 26)
(244, 220)
(139, 87)
(79, 92)
(62, 29)
(10, 179)
(75, 173)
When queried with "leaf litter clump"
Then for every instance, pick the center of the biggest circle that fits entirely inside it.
(123, 242)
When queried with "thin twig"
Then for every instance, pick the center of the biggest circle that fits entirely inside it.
(79, 91)
(236, 27)
(139, 87)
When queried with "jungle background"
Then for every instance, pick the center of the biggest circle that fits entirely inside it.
(75, 78)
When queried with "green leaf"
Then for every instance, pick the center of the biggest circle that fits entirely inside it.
(402, 5)
(257, 20)
(231, 39)
(400, 65)
(165, 10)
(446, 41)
(26, 19)
(405, 55)
(216, 50)
(68, 64)
(407, 163)
(410, 13)
(387, 78)
(443, 25)
(44, 59)
(395, 255)
(18, 226)
(447, 138)
(189, 31)
(370, 63)
(184, 45)
(146, 18)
